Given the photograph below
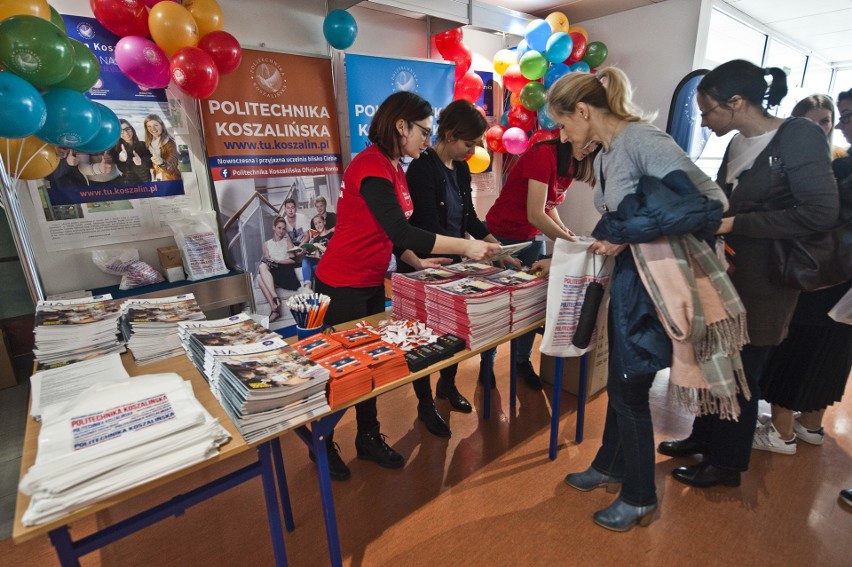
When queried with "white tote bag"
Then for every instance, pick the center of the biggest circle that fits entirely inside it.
(572, 269)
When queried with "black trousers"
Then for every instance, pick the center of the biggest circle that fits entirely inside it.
(349, 304)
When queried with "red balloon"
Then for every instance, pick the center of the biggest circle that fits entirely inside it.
(522, 118)
(469, 87)
(494, 138)
(194, 72)
(513, 79)
(122, 17)
(224, 49)
(444, 42)
(579, 48)
(462, 57)
(543, 135)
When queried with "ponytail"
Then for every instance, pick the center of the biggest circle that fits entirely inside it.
(608, 89)
(745, 79)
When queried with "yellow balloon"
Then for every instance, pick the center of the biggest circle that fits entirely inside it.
(172, 27)
(579, 29)
(43, 158)
(207, 14)
(502, 60)
(558, 22)
(479, 161)
(38, 8)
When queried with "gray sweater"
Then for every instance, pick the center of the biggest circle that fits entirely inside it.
(642, 149)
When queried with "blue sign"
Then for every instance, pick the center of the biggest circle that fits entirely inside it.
(370, 80)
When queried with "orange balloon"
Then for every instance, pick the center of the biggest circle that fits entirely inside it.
(43, 158)
(515, 99)
(580, 30)
(172, 27)
(207, 14)
(37, 8)
(558, 22)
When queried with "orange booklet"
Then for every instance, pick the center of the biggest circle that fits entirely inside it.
(355, 337)
(317, 346)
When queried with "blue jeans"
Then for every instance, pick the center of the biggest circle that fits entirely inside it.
(523, 345)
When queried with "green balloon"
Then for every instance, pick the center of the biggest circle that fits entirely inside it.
(596, 52)
(533, 96)
(86, 69)
(35, 50)
(56, 19)
(533, 65)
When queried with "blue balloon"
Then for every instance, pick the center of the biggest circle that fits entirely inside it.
(537, 34)
(544, 119)
(581, 67)
(559, 47)
(522, 48)
(556, 71)
(22, 111)
(504, 119)
(108, 134)
(72, 119)
(340, 29)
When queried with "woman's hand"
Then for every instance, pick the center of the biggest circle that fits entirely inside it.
(480, 250)
(604, 248)
(433, 262)
(542, 267)
(512, 262)
(726, 226)
(122, 155)
(156, 160)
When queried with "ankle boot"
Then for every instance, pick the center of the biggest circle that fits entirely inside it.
(433, 421)
(371, 446)
(621, 516)
(337, 469)
(448, 391)
(592, 478)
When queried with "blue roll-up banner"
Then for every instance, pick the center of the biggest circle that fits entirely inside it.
(370, 80)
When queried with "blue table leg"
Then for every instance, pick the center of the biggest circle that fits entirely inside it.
(513, 380)
(554, 415)
(315, 439)
(486, 392)
(581, 397)
(281, 476)
(61, 540)
(267, 475)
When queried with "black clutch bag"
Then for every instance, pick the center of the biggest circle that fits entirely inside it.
(588, 314)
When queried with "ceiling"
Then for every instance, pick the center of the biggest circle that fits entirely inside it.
(822, 26)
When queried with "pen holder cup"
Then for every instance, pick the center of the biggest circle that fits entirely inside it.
(302, 333)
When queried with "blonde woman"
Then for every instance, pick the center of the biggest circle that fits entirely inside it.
(164, 153)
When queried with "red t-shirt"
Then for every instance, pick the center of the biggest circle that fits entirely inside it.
(507, 217)
(359, 253)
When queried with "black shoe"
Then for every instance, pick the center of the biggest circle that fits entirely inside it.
(681, 447)
(371, 446)
(705, 475)
(451, 393)
(526, 371)
(433, 421)
(337, 469)
(846, 496)
(483, 371)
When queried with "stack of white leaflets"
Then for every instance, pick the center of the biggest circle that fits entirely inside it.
(150, 326)
(527, 296)
(266, 387)
(70, 330)
(237, 329)
(112, 437)
(409, 291)
(471, 308)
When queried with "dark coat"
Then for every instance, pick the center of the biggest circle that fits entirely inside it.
(672, 206)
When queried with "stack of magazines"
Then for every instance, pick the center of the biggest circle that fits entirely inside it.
(349, 376)
(266, 387)
(387, 363)
(70, 330)
(409, 291)
(150, 326)
(112, 437)
(527, 296)
(474, 309)
(473, 269)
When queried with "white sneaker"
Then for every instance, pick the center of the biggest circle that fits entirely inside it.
(812, 436)
(767, 438)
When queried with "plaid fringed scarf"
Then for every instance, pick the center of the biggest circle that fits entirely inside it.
(702, 313)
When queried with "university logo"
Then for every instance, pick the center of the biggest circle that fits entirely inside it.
(85, 30)
(27, 62)
(268, 77)
(404, 79)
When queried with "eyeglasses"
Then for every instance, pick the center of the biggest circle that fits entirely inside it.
(126, 129)
(427, 132)
(706, 113)
(845, 117)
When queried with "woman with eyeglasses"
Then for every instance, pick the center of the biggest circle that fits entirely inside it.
(131, 156)
(777, 175)
(372, 219)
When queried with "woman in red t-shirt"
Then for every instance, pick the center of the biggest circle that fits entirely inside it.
(526, 207)
(372, 213)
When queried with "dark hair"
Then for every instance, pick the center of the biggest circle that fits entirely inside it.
(845, 95)
(462, 120)
(402, 105)
(568, 166)
(121, 123)
(289, 200)
(745, 79)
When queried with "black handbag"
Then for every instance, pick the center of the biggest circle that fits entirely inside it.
(812, 262)
(589, 311)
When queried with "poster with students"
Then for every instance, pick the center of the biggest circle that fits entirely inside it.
(274, 154)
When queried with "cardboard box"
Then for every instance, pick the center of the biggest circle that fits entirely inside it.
(597, 369)
(170, 257)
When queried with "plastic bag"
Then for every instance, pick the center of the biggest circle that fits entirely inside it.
(197, 236)
(126, 263)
